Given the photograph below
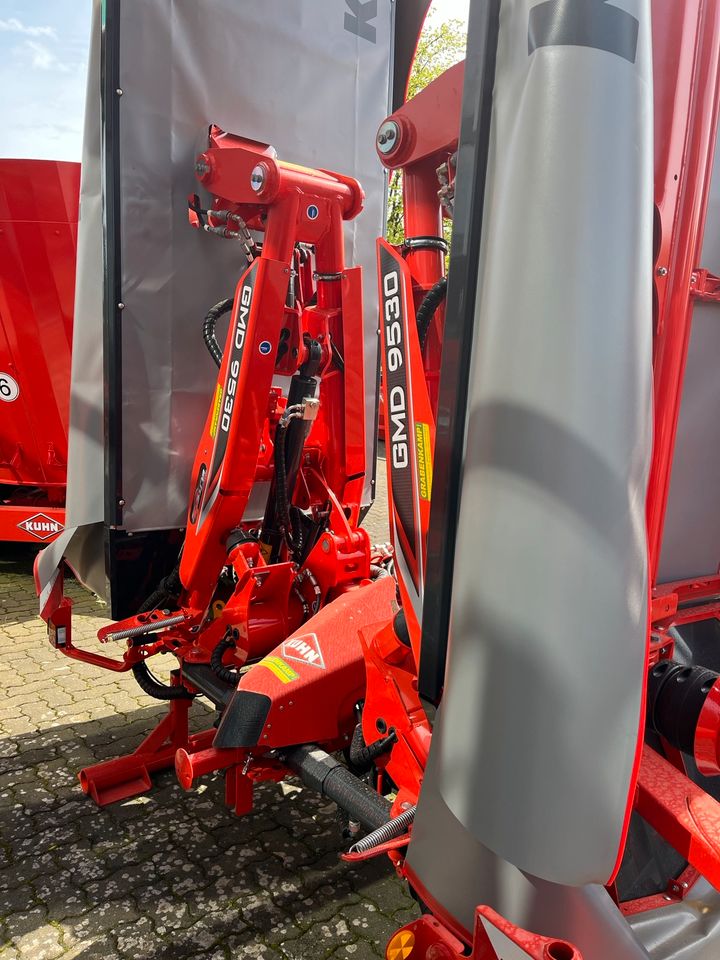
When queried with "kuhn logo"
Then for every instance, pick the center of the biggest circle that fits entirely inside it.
(41, 527)
(305, 649)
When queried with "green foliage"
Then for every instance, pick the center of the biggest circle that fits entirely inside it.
(441, 45)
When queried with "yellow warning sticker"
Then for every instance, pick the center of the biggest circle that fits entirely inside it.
(283, 671)
(424, 458)
(216, 410)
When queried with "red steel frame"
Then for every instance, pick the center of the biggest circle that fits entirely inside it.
(300, 214)
(38, 241)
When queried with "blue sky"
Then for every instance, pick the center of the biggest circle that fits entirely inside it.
(43, 63)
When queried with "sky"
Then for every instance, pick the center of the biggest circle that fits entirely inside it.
(43, 65)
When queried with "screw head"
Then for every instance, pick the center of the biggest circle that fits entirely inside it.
(662, 271)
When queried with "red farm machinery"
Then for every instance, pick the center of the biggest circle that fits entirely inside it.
(38, 240)
(519, 704)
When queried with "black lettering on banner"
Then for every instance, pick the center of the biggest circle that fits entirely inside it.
(397, 411)
(358, 20)
(584, 23)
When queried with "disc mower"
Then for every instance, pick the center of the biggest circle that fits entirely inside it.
(517, 704)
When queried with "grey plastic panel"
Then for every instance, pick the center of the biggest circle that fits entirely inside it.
(691, 539)
(460, 873)
(546, 665)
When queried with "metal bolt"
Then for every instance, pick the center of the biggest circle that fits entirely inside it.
(119, 92)
(258, 177)
(121, 503)
(662, 271)
(326, 546)
(121, 306)
(388, 137)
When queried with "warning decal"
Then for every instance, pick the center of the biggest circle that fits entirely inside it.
(283, 671)
(305, 649)
(424, 459)
(216, 410)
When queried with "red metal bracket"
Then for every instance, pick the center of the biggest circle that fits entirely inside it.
(129, 776)
(705, 286)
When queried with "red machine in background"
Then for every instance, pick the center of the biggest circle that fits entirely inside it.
(38, 240)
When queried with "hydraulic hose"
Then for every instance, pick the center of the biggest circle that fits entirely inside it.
(154, 688)
(293, 535)
(227, 674)
(169, 588)
(324, 774)
(426, 311)
(211, 319)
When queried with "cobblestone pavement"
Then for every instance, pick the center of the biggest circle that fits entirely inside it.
(168, 874)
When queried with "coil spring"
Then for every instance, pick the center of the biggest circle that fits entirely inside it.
(388, 831)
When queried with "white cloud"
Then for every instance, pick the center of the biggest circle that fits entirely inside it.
(13, 25)
(44, 59)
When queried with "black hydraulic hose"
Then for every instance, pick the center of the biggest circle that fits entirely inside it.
(324, 774)
(168, 588)
(227, 674)
(211, 319)
(154, 688)
(426, 311)
(282, 501)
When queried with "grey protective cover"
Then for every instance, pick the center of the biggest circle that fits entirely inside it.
(311, 77)
(691, 539)
(539, 730)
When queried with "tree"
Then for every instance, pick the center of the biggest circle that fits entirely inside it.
(441, 44)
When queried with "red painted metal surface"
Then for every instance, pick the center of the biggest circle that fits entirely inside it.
(38, 240)
(681, 812)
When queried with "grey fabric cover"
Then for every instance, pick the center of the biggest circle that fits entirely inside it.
(311, 77)
(542, 706)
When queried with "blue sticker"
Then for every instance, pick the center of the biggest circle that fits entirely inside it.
(313, 212)
(265, 347)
